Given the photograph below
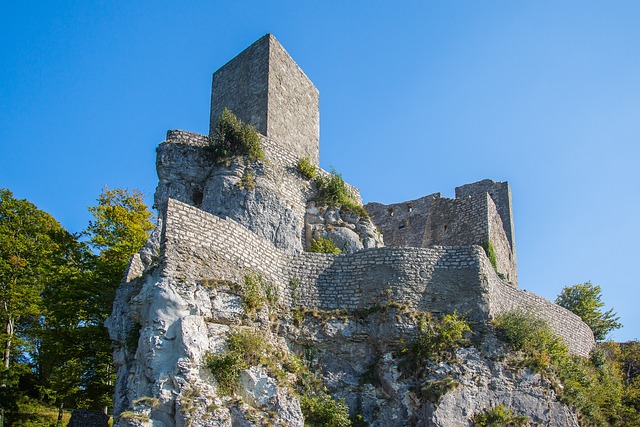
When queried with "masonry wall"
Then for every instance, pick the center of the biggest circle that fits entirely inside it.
(471, 219)
(197, 246)
(264, 87)
(293, 116)
(505, 258)
(242, 86)
(503, 298)
(432, 220)
(500, 193)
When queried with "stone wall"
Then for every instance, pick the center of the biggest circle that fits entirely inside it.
(503, 298)
(241, 85)
(198, 246)
(471, 219)
(264, 87)
(505, 258)
(501, 195)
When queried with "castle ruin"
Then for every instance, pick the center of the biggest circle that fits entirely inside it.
(430, 254)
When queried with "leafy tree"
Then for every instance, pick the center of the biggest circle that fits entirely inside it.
(32, 251)
(76, 349)
(585, 300)
(121, 226)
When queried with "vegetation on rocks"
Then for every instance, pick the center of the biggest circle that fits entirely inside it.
(232, 137)
(491, 254)
(244, 349)
(332, 191)
(306, 168)
(258, 291)
(594, 387)
(500, 416)
(437, 339)
(324, 245)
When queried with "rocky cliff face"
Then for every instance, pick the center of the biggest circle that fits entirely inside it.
(269, 198)
(167, 329)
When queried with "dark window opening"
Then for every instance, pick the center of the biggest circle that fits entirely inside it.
(445, 227)
(197, 197)
(401, 227)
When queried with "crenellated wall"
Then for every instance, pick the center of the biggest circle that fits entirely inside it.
(198, 246)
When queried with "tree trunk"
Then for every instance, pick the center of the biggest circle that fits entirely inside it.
(7, 345)
(60, 414)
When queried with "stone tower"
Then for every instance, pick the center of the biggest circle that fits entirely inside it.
(264, 87)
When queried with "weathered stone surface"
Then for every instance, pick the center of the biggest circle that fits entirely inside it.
(349, 232)
(86, 418)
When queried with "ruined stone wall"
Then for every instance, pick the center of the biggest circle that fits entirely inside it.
(504, 298)
(505, 259)
(198, 246)
(471, 219)
(264, 87)
(501, 195)
(432, 220)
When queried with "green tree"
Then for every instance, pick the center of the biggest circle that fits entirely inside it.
(76, 349)
(34, 251)
(121, 226)
(585, 300)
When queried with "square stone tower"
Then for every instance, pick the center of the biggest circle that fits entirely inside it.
(264, 87)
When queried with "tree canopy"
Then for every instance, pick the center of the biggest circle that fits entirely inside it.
(56, 291)
(585, 300)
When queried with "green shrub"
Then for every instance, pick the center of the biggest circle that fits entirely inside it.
(437, 340)
(532, 335)
(294, 287)
(491, 254)
(596, 391)
(500, 416)
(332, 191)
(271, 294)
(306, 168)
(258, 291)
(321, 410)
(244, 349)
(247, 182)
(324, 245)
(232, 137)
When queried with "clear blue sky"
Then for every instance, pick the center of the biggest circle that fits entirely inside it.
(416, 97)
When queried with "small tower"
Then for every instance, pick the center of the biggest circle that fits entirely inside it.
(264, 87)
